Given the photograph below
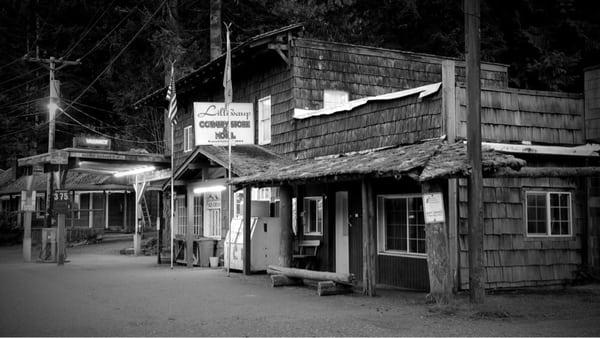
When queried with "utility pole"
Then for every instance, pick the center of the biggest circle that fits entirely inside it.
(475, 194)
(53, 65)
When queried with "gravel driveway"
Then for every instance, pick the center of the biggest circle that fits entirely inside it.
(101, 293)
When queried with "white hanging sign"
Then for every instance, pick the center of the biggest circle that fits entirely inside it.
(210, 123)
(433, 208)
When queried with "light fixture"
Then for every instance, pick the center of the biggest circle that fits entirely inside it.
(214, 188)
(135, 171)
(53, 107)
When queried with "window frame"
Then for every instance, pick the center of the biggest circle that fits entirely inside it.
(381, 228)
(262, 137)
(547, 205)
(305, 217)
(208, 229)
(187, 139)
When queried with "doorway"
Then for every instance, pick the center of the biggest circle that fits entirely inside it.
(342, 253)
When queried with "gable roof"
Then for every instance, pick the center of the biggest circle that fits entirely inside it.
(423, 161)
(198, 76)
(245, 159)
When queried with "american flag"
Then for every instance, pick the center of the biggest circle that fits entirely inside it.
(227, 73)
(172, 98)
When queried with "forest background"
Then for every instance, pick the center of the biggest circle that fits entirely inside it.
(546, 43)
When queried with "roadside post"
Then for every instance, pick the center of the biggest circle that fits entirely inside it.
(28, 207)
(62, 206)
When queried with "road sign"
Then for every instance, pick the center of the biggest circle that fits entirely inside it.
(433, 208)
(62, 202)
(28, 200)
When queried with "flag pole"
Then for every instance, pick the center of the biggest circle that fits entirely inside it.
(172, 195)
(228, 97)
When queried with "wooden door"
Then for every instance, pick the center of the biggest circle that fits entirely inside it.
(342, 254)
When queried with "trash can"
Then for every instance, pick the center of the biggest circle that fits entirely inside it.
(206, 248)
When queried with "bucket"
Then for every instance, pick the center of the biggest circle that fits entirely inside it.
(214, 262)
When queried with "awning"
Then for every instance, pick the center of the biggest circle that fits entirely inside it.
(423, 161)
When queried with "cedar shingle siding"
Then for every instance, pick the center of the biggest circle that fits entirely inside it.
(511, 259)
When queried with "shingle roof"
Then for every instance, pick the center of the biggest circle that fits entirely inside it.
(245, 159)
(423, 161)
(75, 181)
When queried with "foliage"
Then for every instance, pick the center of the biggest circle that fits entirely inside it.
(546, 44)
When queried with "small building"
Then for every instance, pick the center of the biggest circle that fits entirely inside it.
(369, 131)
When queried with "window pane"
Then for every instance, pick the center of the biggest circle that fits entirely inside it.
(560, 213)
(536, 213)
(396, 224)
(264, 120)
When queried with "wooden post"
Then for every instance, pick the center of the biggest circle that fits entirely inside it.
(160, 226)
(475, 196)
(367, 230)
(449, 112)
(247, 231)
(62, 252)
(27, 236)
(125, 210)
(106, 197)
(285, 215)
(189, 236)
(440, 277)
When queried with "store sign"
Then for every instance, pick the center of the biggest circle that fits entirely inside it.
(210, 123)
(91, 142)
(433, 208)
(213, 200)
(28, 201)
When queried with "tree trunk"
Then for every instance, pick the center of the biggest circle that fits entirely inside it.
(215, 29)
(342, 278)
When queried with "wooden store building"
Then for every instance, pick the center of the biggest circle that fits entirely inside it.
(355, 136)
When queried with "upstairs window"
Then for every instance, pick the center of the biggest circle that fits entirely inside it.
(548, 213)
(332, 98)
(188, 138)
(264, 120)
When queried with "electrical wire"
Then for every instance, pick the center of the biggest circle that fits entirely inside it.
(22, 84)
(10, 63)
(106, 135)
(117, 56)
(87, 31)
(107, 35)
(21, 75)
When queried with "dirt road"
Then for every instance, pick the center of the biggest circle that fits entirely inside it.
(101, 293)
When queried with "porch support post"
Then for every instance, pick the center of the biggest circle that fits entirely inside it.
(440, 278)
(160, 225)
(247, 266)
(106, 196)
(368, 233)
(285, 214)
(90, 212)
(125, 210)
(189, 232)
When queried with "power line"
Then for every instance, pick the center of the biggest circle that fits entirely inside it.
(21, 75)
(107, 35)
(22, 84)
(10, 63)
(87, 31)
(109, 136)
(118, 55)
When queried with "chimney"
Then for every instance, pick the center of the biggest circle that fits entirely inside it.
(215, 29)
(591, 90)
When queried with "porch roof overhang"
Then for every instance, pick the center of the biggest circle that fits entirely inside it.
(424, 161)
(214, 69)
(245, 159)
(97, 161)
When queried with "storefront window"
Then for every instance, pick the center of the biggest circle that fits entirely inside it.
(401, 224)
(212, 214)
(313, 215)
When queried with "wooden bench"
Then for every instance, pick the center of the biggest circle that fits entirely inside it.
(306, 258)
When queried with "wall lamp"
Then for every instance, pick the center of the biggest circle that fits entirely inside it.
(214, 188)
(135, 171)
